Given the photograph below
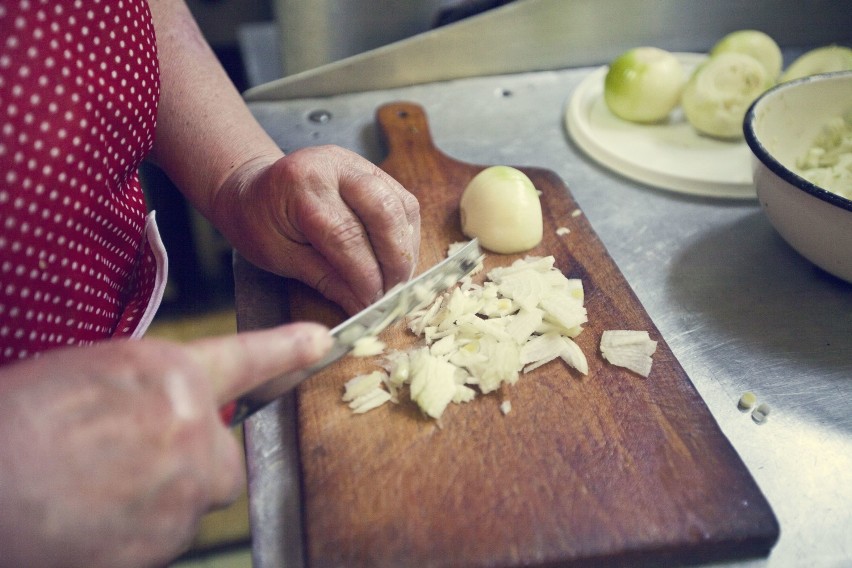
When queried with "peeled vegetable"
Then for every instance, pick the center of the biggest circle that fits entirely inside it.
(720, 91)
(755, 44)
(644, 84)
(628, 348)
(820, 60)
(500, 206)
(364, 392)
(828, 161)
(479, 337)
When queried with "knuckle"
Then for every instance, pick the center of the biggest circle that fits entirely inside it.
(412, 205)
(346, 235)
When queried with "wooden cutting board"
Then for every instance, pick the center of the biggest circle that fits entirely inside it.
(610, 469)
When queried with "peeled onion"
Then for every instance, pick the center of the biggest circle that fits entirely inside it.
(500, 206)
(720, 91)
(756, 44)
(644, 84)
(825, 59)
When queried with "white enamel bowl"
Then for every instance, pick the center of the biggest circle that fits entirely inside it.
(779, 128)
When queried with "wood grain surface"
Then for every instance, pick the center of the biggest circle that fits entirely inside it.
(605, 470)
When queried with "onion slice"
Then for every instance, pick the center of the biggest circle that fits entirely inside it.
(629, 348)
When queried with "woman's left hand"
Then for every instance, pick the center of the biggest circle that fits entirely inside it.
(322, 215)
(327, 217)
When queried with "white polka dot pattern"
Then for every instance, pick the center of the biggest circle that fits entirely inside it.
(79, 85)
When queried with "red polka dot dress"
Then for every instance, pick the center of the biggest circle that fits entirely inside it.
(80, 259)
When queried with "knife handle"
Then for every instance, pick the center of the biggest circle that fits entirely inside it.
(236, 412)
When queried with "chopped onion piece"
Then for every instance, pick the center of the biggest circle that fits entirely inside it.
(506, 407)
(622, 337)
(433, 384)
(444, 346)
(368, 346)
(523, 324)
(628, 348)
(537, 264)
(574, 356)
(463, 394)
(366, 402)
(461, 376)
(568, 315)
(501, 365)
(397, 367)
(362, 384)
(468, 358)
(540, 350)
(828, 162)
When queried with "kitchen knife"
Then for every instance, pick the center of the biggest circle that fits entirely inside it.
(396, 303)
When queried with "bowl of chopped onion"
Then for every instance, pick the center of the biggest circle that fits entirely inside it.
(800, 134)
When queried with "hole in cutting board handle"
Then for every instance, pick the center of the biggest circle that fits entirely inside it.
(404, 129)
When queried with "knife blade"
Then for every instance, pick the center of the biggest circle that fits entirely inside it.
(371, 321)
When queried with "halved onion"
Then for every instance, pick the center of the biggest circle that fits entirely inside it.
(501, 207)
(720, 91)
(756, 44)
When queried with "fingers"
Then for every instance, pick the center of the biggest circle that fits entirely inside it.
(228, 479)
(341, 240)
(391, 216)
(331, 219)
(362, 221)
(317, 272)
(239, 363)
(371, 244)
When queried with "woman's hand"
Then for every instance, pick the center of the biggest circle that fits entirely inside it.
(110, 454)
(324, 216)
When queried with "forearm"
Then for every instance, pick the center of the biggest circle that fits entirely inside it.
(205, 132)
(323, 215)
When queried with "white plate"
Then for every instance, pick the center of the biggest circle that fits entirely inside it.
(670, 155)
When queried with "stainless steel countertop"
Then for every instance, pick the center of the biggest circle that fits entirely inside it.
(740, 309)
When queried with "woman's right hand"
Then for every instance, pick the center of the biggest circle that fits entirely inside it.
(110, 454)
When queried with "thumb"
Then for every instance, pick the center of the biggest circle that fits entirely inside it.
(239, 363)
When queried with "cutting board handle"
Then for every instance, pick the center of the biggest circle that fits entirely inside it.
(404, 130)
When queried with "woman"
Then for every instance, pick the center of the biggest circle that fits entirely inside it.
(111, 449)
